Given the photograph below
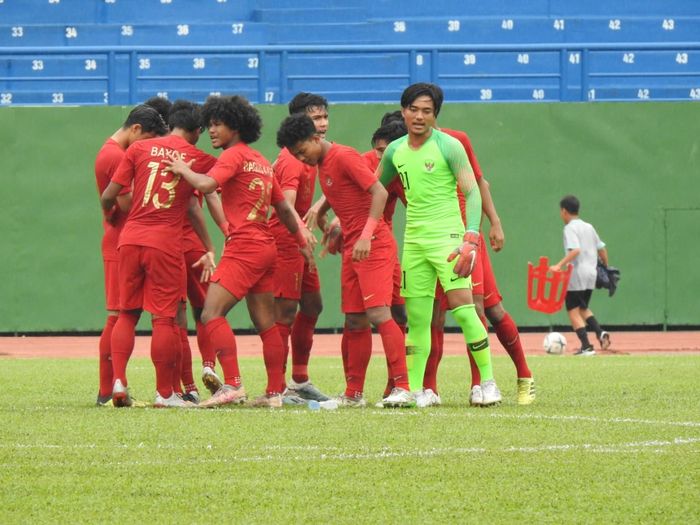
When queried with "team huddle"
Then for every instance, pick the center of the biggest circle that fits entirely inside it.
(157, 252)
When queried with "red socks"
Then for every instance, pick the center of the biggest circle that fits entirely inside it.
(186, 368)
(437, 337)
(359, 352)
(395, 349)
(273, 354)
(208, 357)
(508, 335)
(284, 330)
(164, 348)
(302, 340)
(106, 357)
(220, 341)
(177, 354)
(123, 336)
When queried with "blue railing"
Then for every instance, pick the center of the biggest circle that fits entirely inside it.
(551, 72)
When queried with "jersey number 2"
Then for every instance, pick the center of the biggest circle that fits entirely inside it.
(258, 214)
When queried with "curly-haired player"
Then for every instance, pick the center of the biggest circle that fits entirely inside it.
(247, 266)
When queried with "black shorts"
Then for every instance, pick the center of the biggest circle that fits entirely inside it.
(578, 299)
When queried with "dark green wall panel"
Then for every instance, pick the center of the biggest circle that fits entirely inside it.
(626, 162)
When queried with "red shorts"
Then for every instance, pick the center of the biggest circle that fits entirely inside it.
(196, 290)
(111, 284)
(150, 279)
(396, 292)
(369, 283)
(245, 269)
(292, 275)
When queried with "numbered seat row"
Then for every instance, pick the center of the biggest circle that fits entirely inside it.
(71, 12)
(418, 32)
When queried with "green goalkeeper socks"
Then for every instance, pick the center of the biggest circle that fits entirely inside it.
(420, 312)
(476, 337)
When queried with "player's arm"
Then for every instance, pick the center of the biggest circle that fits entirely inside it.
(570, 256)
(361, 249)
(124, 201)
(196, 217)
(386, 172)
(311, 218)
(461, 168)
(603, 254)
(216, 210)
(291, 220)
(496, 236)
(109, 198)
(198, 181)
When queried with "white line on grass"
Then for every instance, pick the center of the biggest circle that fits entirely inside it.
(332, 453)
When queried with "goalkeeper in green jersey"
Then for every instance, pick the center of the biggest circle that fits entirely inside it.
(430, 165)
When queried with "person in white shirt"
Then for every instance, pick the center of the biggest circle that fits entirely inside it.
(582, 247)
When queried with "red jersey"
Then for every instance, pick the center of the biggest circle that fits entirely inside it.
(160, 198)
(292, 174)
(462, 137)
(394, 188)
(345, 178)
(106, 163)
(248, 187)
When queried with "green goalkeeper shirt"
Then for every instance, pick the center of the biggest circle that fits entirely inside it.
(428, 177)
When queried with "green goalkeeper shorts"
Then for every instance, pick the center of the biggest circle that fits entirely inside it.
(422, 265)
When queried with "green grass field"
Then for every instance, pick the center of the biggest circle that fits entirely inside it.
(609, 440)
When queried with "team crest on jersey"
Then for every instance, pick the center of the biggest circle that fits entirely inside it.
(429, 165)
(329, 181)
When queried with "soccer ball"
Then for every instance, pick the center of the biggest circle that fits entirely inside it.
(554, 343)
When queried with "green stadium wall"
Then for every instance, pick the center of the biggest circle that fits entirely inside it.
(635, 167)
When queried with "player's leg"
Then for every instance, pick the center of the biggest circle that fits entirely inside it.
(437, 338)
(303, 328)
(163, 294)
(593, 326)
(286, 310)
(289, 270)
(418, 288)
(576, 304)
(261, 306)
(131, 281)
(356, 345)
(196, 292)
(232, 280)
(398, 313)
(358, 352)
(219, 340)
(111, 274)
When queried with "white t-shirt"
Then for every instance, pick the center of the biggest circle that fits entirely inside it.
(581, 235)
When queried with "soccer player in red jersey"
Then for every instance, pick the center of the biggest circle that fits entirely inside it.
(369, 255)
(143, 122)
(381, 138)
(297, 287)
(247, 266)
(151, 263)
(186, 115)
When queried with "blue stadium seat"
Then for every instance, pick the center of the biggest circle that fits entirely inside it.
(67, 12)
(304, 15)
(243, 33)
(628, 29)
(468, 30)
